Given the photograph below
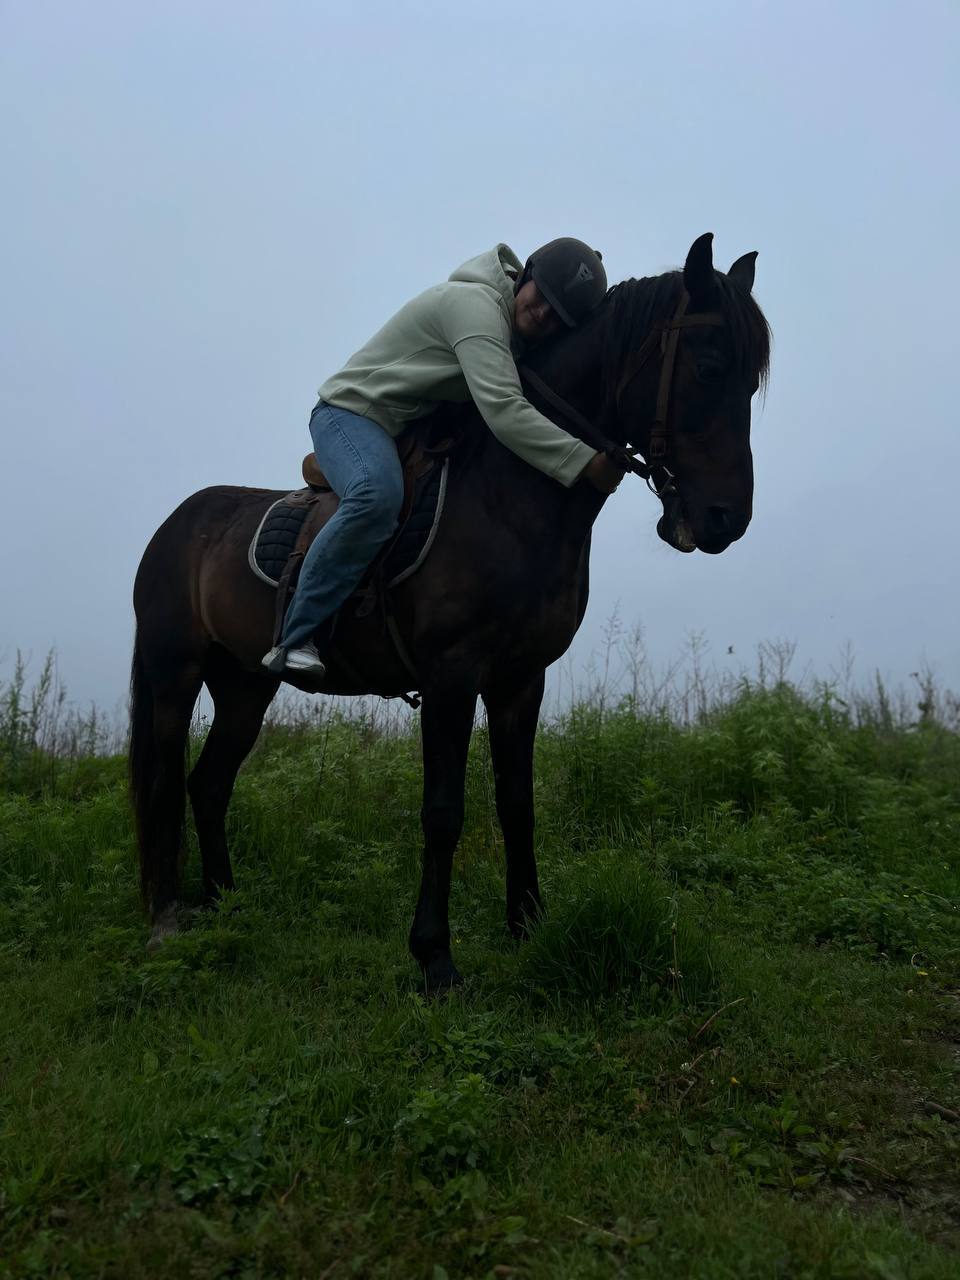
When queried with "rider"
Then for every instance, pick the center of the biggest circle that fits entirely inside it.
(453, 342)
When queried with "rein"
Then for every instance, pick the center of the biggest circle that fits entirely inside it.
(658, 476)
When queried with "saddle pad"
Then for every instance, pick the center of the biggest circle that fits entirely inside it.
(280, 527)
(274, 540)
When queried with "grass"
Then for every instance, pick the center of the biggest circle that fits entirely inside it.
(721, 1055)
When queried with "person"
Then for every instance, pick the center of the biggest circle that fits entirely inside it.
(455, 341)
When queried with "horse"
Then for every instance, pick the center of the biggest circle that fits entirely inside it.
(665, 367)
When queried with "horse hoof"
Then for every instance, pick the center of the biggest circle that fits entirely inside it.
(523, 924)
(165, 926)
(441, 977)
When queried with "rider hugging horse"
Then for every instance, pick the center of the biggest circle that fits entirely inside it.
(666, 366)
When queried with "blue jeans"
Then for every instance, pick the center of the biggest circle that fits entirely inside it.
(361, 463)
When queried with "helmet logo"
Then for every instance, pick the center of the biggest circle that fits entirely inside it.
(582, 275)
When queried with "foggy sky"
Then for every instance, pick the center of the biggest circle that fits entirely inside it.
(208, 206)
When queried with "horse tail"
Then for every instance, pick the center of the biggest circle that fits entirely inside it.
(142, 762)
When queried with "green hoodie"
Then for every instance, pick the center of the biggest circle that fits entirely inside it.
(453, 343)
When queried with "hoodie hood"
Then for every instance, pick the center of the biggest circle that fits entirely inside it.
(497, 269)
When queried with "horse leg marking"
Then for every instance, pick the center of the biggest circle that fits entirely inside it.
(165, 926)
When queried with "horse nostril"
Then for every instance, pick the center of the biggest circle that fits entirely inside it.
(719, 519)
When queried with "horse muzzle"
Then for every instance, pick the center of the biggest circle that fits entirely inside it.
(712, 533)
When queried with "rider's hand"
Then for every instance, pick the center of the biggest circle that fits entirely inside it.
(603, 472)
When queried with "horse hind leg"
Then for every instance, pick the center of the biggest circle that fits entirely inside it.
(240, 701)
(161, 706)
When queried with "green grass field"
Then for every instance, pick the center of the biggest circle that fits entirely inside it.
(731, 1050)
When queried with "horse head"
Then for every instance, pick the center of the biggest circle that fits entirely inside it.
(692, 348)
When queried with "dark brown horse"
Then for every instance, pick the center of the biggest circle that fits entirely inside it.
(499, 598)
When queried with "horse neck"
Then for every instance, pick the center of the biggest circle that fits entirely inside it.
(573, 367)
(582, 367)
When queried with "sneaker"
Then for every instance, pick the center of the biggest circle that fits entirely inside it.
(305, 660)
(275, 660)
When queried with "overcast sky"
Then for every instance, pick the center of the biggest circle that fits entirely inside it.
(208, 206)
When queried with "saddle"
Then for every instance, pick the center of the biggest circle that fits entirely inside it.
(290, 525)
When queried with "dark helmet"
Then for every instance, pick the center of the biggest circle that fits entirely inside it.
(570, 276)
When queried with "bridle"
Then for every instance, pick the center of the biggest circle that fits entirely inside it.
(660, 480)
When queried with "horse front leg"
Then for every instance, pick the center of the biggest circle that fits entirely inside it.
(446, 722)
(512, 713)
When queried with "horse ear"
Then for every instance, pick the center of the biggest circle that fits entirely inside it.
(742, 271)
(698, 276)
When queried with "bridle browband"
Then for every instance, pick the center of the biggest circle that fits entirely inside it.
(666, 334)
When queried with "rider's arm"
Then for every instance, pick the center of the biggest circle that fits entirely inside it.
(494, 384)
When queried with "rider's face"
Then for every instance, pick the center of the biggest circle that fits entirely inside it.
(533, 316)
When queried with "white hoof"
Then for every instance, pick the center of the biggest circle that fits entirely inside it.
(165, 926)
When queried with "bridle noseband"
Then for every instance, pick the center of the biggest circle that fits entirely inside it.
(665, 335)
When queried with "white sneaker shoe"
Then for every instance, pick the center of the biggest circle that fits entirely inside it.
(304, 660)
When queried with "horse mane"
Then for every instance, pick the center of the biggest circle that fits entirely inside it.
(635, 306)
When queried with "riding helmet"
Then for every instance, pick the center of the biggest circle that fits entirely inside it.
(570, 276)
